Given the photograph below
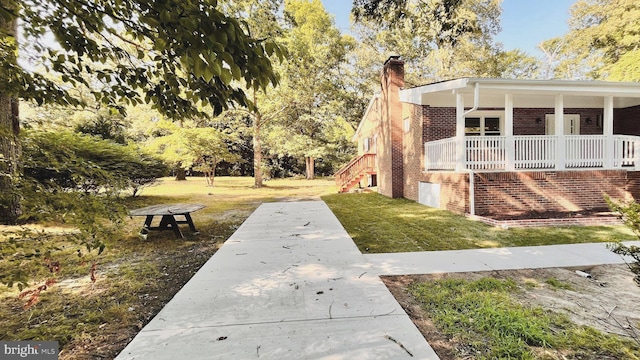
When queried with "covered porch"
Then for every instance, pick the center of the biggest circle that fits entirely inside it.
(534, 152)
(525, 125)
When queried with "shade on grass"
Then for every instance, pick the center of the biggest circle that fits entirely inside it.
(379, 224)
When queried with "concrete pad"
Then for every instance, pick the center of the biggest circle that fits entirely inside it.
(528, 257)
(290, 283)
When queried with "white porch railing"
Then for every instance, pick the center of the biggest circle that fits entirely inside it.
(535, 152)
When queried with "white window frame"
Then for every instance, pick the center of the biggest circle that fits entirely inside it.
(366, 144)
(483, 115)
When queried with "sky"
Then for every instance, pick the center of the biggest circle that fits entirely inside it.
(525, 23)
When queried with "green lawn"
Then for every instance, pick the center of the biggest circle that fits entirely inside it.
(379, 224)
(134, 278)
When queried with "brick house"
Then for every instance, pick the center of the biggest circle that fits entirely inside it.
(496, 146)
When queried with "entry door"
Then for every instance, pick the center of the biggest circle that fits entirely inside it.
(571, 124)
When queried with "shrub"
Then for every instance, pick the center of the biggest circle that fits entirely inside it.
(76, 162)
(629, 213)
(73, 179)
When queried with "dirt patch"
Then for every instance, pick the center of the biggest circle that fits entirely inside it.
(608, 301)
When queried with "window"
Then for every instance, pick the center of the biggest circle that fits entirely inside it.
(366, 144)
(407, 125)
(488, 124)
(472, 126)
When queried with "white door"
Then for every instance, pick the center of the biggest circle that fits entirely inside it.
(571, 124)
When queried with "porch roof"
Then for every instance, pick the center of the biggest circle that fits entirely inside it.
(527, 93)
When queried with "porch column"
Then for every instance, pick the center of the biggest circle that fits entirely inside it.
(510, 144)
(559, 129)
(607, 131)
(461, 153)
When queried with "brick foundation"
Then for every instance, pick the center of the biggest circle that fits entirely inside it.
(454, 190)
(519, 193)
(562, 191)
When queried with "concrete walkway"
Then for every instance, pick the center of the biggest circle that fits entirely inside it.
(291, 284)
(527, 257)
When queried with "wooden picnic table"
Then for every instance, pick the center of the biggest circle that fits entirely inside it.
(168, 213)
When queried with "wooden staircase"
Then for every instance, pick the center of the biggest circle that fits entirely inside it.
(352, 173)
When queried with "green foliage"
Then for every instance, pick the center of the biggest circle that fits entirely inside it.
(68, 161)
(174, 54)
(105, 127)
(557, 284)
(629, 213)
(482, 314)
(195, 148)
(311, 96)
(75, 180)
(601, 42)
(438, 39)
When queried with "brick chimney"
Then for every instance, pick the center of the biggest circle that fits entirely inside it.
(390, 162)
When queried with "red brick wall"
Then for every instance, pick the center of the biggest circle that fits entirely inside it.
(525, 120)
(518, 193)
(522, 192)
(390, 161)
(413, 149)
(454, 189)
(440, 123)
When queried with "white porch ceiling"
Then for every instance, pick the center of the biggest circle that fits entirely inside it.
(526, 93)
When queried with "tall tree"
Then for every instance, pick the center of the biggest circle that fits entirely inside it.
(438, 39)
(602, 42)
(310, 82)
(263, 16)
(9, 124)
(182, 56)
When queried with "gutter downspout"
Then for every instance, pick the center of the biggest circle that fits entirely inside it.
(472, 194)
(476, 99)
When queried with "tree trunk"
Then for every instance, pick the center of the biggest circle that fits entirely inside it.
(257, 157)
(310, 168)
(212, 174)
(257, 146)
(181, 174)
(9, 143)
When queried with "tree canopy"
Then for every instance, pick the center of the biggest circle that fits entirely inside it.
(602, 42)
(439, 39)
(174, 54)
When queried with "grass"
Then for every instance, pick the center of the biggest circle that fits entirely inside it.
(481, 315)
(379, 224)
(557, 284)
(134, 278)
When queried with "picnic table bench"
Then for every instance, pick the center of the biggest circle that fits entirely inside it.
(168, 221)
